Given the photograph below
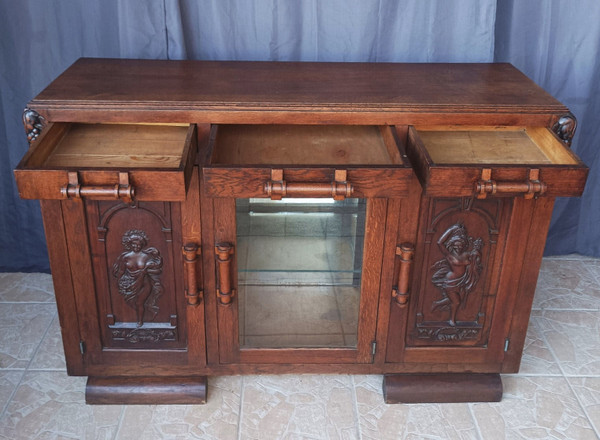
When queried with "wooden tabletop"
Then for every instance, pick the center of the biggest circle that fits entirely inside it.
(254, 92)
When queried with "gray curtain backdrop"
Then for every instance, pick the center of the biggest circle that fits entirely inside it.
(554, 42)
(557, 44)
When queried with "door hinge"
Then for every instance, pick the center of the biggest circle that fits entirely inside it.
(506, 344)
(373, 350)
(82, 347)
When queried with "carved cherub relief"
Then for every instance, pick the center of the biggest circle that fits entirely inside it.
(138, 271)
(456, 275)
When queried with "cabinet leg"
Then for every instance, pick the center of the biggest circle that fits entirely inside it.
(442, 388)
(145, 390)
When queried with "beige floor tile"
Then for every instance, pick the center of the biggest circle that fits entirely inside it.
(533, 408)
(537, 358)
(593, 265)
(218, 419)
(26, 287)
(564, 333)
(574, 338)
(50, 405)
(423, 421)
(566, 284)
(22, 327)
(587, 390)
(50, 354)
(9, 380)
(568, 257)
(298, 407)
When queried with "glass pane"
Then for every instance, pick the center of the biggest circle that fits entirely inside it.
(299, 271)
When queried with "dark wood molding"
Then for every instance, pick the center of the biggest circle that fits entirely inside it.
(442, 388)
(153, 390)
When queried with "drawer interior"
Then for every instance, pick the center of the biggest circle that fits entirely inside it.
(117, 146)
(494, 145)
(304, 145)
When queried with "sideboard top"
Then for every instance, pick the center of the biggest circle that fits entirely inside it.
(237, 91)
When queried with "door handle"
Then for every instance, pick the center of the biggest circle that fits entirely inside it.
(531, 187)
(339, 188)
(193, 290)
(401, 292)
(224, 256)
(122, 190)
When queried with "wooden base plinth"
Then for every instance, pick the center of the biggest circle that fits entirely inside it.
(442, 388)
(145, 390)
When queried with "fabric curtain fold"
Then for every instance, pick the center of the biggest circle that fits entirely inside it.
(557, 44)
(41, 38)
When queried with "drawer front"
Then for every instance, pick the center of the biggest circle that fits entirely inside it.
(494, 162)
(304, 161)
(109, 162)
(305, 182)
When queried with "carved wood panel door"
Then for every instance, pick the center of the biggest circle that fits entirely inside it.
(134, 247)
(143, 305)
(455, 302)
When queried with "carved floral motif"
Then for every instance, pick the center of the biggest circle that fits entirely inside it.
(457, 274)
(138, 335)
(448, 333)
(138, 271)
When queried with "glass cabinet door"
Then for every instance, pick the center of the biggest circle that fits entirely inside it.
(299, 267)
(297, 279)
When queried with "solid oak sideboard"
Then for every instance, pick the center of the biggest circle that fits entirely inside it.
(212, 218)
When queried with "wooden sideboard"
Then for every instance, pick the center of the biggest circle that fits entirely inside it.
(212, 218)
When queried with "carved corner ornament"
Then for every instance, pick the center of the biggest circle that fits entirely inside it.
(565, 128)
(34, 123)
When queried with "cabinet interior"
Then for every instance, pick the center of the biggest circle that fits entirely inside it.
(299, 271)
(305, 145)
(494, 145)
(118, 146)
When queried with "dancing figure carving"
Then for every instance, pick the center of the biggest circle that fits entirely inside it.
(456, 275)
(138, 271)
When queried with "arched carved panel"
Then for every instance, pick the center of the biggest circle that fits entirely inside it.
(137, 288)
(457, 280)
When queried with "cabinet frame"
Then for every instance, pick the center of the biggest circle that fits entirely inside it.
(224, 231)
(201, 93)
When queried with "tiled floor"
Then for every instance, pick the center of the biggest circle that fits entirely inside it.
(556, 395)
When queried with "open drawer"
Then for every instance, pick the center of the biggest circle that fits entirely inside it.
(304, 161)
(494, 161)
(109, 161)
